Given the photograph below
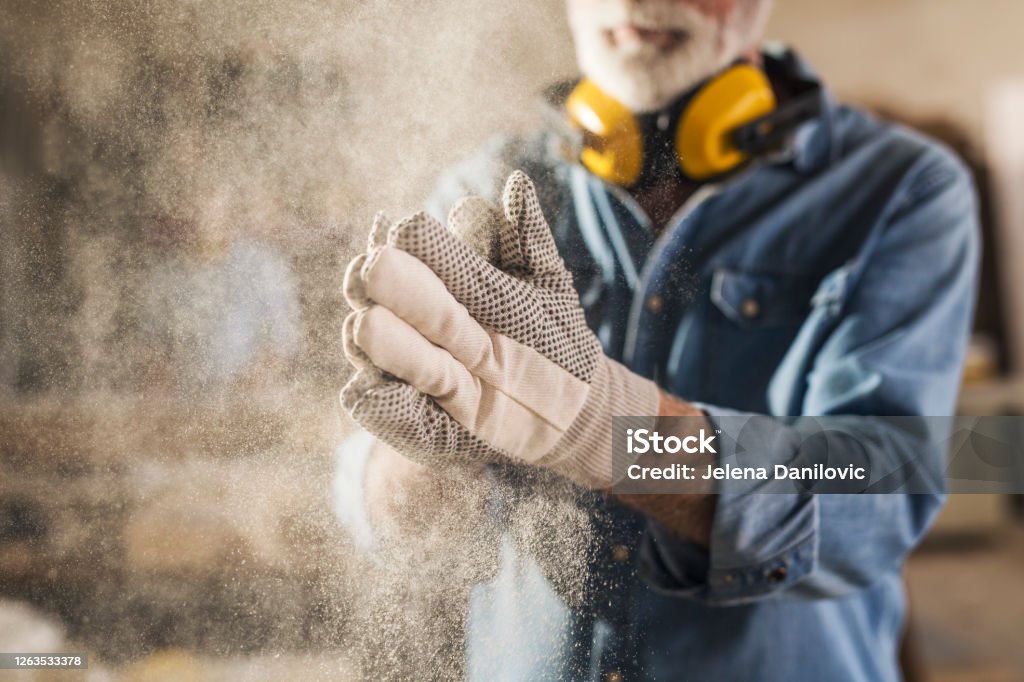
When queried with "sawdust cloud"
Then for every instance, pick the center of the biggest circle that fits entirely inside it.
(134, 131)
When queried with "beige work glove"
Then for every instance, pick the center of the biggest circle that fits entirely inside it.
(464, 361)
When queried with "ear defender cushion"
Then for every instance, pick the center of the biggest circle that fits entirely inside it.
(613, 146)
(704, 142)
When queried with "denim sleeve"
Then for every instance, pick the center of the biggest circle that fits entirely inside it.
(900, 319)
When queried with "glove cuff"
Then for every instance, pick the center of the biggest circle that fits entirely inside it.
(585, 452)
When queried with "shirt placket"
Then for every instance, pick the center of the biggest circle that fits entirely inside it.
(648, 311)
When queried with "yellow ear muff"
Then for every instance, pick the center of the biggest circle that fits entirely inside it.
(613, 146)
(703, 141)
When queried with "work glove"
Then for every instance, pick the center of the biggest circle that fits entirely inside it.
(461, 360)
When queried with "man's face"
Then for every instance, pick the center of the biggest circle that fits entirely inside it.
(645, 53)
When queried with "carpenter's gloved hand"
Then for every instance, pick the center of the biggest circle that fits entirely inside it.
(462, 360)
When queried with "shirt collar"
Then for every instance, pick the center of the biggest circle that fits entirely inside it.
(814, 142)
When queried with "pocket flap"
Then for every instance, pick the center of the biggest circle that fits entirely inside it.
(761, 299)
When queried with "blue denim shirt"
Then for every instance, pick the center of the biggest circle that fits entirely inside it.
(838, 279)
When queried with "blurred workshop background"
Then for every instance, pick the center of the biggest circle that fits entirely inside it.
(181, 185)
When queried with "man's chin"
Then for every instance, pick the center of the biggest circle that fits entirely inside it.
(643, 81)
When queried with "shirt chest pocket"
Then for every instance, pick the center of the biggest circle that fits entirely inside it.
(755, 301)
(740, 335)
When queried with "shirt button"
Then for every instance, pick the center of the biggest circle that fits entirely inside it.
(778, 574)
(654, 304)
(620, 553)
(613, 676)
(750, 308)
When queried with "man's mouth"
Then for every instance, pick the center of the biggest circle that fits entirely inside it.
(631, 35)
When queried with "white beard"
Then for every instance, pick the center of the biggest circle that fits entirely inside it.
(642, 76)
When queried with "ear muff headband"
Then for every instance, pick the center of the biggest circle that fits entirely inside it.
(613, 144)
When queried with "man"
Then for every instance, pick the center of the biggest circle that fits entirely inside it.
(834, 277)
